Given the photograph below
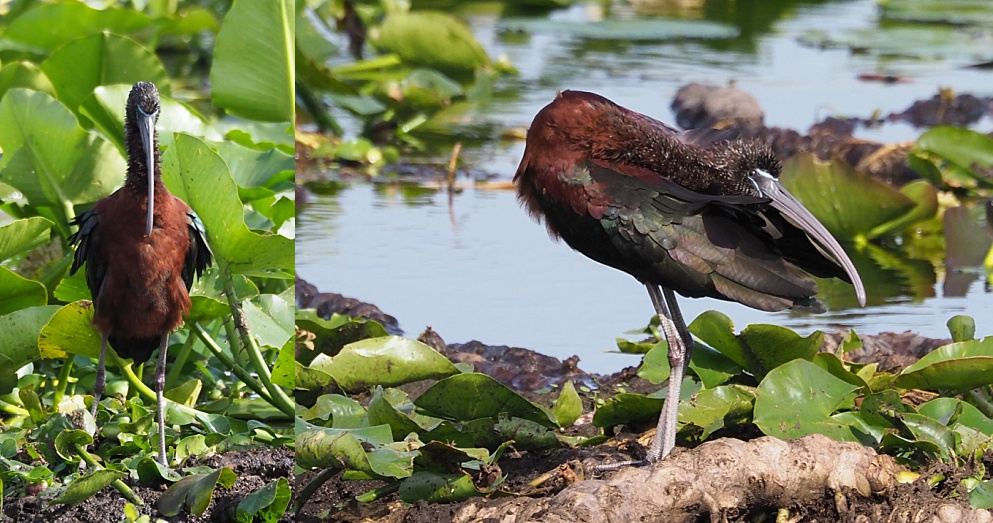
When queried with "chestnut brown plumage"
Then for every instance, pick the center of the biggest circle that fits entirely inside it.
(141, 246)
(695, 212)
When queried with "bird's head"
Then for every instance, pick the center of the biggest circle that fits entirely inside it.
(140, 116)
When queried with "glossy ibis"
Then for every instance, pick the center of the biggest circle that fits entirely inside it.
(693, 212)
(141, 246)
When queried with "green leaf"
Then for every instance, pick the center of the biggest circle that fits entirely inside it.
(80, 66)
(382, 412)
(66, 441)
(960, 151)
(49, 158)
(981, 497)
(105, 108)
(346, 449)
(194, 492)
(19, 338)
(23, 235)
(568, 407)
(655, 365)
(85, 486)
(715, 409)
(252, 72)
(955, 367)
(759, 348)
(432, 39)
(799, 398)
(627, 408)
(387, 361)
(848, 203)
(953, 410)
(266, 504)
(49, 26)
(197, 175)
(472, 396)
(26, 75)
(962, 328)
(70, 331)
(342, 411)
(434, 487)
(18, 292)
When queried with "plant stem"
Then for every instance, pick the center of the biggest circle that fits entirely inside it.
(177, 365)
(311, 487)
(373, 495)
(280, 400)
(10, 408)
(118, 484)
(242, 374)
(140, 388)
(60, 387)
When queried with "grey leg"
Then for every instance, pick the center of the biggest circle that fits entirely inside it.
(101, 375)
(680, 345)
(160, 373)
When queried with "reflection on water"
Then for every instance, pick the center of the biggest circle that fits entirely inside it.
(481, 269)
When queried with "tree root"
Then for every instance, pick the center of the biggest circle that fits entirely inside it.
(725, 480)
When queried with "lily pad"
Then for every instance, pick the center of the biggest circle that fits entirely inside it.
(432, 39)
(799, 398)
(955, 367)
(472, 396)
(386, 361)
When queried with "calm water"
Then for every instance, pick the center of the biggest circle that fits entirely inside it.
(481, 269)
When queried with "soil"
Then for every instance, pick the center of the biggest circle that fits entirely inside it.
(693, 484)
(254, 467)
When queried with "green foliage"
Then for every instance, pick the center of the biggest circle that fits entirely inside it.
(63, 89)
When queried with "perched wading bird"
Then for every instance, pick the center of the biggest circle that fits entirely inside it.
(141, 246)
(691, 212)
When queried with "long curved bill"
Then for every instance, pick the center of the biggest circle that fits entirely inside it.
(795, 211)
(146, 129)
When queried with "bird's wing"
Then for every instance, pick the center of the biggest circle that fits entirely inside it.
(199, 257)
(87, 240)
(698, 244)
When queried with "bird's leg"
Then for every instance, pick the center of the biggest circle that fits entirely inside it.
(680, 345)
(101, 375)
(160, 372)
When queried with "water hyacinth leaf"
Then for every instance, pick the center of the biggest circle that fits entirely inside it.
(49, 158)
(955, 367)
(194, 492)
(948, 411)
(77, 68)
(713, 409)
(432, 39)
(283, 370)
(334, 333)
(26, 75)
(836, 367)
(270, 317)
(631, 29)
(87, 485)
(967, 240)
(959, 151)
(435, 487)
(252, 71)
(343, 412)
(929, 431)
(70, 331)
(47, 27)
(798, 398)
(962, 328)
(66, 441)
(386, 361)
(186, 393)
(712, 367)
(925, 198)
(759, 348)
(848, 203)
(382, 412)
(346, 449)
(18, 292)
(880, 408)
(472, 396)
(981, 497)
(19, 339)
(266, 504)
(627, 408)
(655, 365)
(23, 235)
(197, 175)
(568, 407)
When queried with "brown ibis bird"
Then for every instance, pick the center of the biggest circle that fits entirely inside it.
(695, 212)
(142, 247)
